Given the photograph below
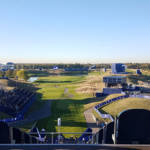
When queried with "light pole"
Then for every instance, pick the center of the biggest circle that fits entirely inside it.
(59, 126)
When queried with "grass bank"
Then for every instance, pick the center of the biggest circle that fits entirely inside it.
(129, 103)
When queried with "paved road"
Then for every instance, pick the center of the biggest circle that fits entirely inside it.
(91, 120)
(34, 116)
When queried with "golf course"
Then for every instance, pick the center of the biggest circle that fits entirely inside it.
(70, 95)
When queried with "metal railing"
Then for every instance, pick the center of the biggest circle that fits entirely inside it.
(64, 138)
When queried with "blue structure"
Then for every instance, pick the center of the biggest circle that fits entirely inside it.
(55, 68)
(118, 68)
(77, 69)
(20, 115)
(138, 71)
(85, 136)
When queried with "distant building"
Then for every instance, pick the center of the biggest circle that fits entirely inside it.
(108, 91)
(104, 69)
(2, 67)
(118, 68)
(77, 69)
(92, 67)
(114, 80)
(10, 66)
(55, 68)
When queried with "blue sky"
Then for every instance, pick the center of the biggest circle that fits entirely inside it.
(93, 31)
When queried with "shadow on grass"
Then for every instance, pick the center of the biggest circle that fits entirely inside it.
(74, 73)
(72, 123)
(70, 110)
(35, 73)
(45, 81)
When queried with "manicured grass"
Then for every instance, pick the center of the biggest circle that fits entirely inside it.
(134, 78)
(129, 103)
(59, 87)
(66, 103)
(71, 114)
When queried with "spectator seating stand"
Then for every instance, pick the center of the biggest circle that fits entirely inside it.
(15, 103)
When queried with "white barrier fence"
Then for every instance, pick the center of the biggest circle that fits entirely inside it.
(108, 116)
(104, 115)
(140, 96)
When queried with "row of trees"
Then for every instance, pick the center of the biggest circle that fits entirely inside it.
(17, 74)
(144, 66)
(61, 66)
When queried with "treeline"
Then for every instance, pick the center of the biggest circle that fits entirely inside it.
(145, 66)
(60, 66)
(17, 74)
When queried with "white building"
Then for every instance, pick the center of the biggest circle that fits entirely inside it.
(8, 66)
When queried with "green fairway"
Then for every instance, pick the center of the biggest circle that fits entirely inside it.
(70, 95)
(66, 102)
(129, 103)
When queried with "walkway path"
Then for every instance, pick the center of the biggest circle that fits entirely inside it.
(34, 116)
(91, 120)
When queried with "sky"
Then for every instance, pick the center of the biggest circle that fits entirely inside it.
(74, 31)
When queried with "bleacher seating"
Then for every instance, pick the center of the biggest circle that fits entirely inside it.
(133, 127)
(15, 102)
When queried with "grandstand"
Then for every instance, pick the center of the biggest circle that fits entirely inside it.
(130, 127)
(114, 80)
(15, 102)
(126, 129)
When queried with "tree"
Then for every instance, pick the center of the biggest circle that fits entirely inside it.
(22, 75)
(1, 74)
(9, 73)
